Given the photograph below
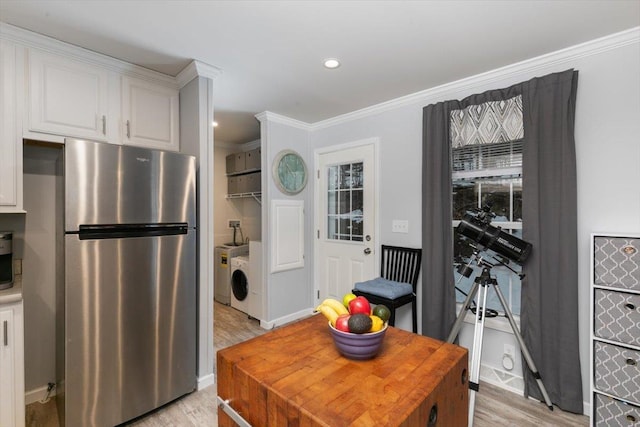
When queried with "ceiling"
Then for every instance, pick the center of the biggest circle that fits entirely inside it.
(271, 52)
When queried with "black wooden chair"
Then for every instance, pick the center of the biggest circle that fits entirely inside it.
(397, 264)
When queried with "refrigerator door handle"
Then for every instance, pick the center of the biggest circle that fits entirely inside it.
(116, 231)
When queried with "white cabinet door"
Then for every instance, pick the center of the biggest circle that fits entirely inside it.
(8, 140)
(150, 114)
(11, 365)
(67, 97)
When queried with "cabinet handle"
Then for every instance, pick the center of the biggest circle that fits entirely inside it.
(631, 362)
(5, 327)
(630, 306)
(128, 129)
(631, 418)
(104, 125)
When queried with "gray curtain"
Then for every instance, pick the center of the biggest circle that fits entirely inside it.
(549, 318)
(438, 292)
(438, 287)
(549, 313)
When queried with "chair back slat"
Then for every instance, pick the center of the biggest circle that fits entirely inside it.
(401, 264)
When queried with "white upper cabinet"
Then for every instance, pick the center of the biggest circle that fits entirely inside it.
(150, 114)
(67, 97)
(8, 129)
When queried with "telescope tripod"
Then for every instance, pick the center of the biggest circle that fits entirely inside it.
(481, 286)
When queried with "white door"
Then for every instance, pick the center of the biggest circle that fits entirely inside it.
(346, 219)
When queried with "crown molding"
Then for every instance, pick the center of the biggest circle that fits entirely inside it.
(250, 145)
(38, 41)
(226, 145)
(197, 69)
(245, 146)
(449, 90)
(277, 118)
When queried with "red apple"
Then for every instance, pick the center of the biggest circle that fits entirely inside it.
(342, 322)
(359, 305)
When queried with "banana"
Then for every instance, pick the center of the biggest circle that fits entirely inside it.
(336, 305)
(328, 312)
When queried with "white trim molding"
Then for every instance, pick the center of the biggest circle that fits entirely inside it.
(37, 41)
(206, 381)
(286, 319)
(197, 69)
(38, 394)
(448, 90)
(277, 118)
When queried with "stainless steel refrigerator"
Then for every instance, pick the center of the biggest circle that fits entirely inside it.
(127, 331)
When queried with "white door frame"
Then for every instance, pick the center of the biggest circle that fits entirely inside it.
(375, 141)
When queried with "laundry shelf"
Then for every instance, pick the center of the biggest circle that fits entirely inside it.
(257, 196)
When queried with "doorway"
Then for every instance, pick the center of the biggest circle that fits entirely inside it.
(346, 217)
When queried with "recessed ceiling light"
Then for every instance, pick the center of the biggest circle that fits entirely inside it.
(331, 63)
(214, 124)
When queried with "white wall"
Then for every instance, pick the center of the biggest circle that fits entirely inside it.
(35, 243)
(607, 151)
(288, 293)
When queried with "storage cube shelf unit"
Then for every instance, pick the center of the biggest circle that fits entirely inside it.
(244, 178)
(615, 329)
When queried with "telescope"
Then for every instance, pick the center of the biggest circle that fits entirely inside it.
(478, 228)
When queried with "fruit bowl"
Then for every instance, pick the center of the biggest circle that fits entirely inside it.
(358, 346)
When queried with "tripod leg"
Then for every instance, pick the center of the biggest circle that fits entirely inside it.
(476, 357)
(463, 311)
(523, 346)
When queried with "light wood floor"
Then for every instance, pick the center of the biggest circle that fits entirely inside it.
(494, 406)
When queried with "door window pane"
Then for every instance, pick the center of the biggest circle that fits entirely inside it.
(345, 202)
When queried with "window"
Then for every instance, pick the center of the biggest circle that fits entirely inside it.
(345, 202)
(505, 192)
(487, 169)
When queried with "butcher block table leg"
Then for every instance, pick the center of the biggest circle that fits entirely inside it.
(294, 376)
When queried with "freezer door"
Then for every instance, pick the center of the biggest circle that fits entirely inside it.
(130, 320)
(115, 184)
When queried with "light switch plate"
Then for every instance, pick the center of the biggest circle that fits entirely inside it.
(399, 226)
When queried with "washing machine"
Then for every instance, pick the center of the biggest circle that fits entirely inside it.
(240, 283)
(223, 255)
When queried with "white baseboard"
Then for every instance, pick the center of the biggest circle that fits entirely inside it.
(286, 319)
(206, 381)
(502, 379)
(513, 383)
(37, 394)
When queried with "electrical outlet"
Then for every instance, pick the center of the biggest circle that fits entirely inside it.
(399, 226)
(234, 223)
(510, 350)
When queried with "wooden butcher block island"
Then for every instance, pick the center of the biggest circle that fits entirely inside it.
(294, 376)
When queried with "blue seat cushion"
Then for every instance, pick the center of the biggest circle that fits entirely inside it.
(384, 288)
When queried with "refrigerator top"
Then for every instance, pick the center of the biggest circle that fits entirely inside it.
(116, 184)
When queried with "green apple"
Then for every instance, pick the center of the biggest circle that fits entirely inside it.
(347, 299)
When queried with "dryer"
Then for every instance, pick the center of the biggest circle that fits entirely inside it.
(240, 283)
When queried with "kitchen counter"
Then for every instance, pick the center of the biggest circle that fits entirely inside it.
(14, 293)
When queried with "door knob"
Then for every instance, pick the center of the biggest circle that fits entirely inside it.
(367, 251)
(367, 238)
